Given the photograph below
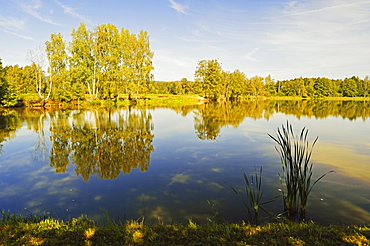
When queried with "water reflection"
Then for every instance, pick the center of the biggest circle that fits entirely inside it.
(9, 123)
(346, 158)
(118, 140)
(98, 145)
(324, 108)
(211, 117)
(100, 142)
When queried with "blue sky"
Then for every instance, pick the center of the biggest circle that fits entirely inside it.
(286, 39)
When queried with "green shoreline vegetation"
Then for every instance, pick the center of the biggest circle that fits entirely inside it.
(41, 230)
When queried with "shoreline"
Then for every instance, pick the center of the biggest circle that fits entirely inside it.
(83, 231)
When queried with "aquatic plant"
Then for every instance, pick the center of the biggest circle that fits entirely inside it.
(254, 193)
(295, 154)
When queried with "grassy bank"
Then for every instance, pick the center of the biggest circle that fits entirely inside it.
(32, 100)
(145, 100)
(82, 231)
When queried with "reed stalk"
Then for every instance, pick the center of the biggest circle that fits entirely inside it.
(254, 194)
(295, 153)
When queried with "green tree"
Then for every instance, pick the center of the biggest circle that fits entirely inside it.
(14, 76)
(294, 87)
(349, 87)
(254, 86)
(309, 84)
(362, 86)
(82, 63)
(107, 54)
(57, 57)
(8, 94)
(138, 63)
(208, 74)
(324, 87)
(225, 85)
(127, 68)
(366, 86)
(26, 86)
(270, 86)
(186, 86)
(176, 88)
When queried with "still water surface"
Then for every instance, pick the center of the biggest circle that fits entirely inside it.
(171, 164)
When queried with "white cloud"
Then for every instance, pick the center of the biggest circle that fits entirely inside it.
(72, 12)
(249, 56)
(196, 39)
(180, 62)
(322, 38)
(35, 9)
(17, 34)
(178, 7)
(294, 8)
(12, 26)
(12, 23)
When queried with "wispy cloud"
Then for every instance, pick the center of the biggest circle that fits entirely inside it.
(249, 56)
(180, 61)
(178, 7)
(73, 12)
(318, 36)
(13, 25)
(196, 39)
(209, 28)
(35, 9)
(294, 8)
(17, 34)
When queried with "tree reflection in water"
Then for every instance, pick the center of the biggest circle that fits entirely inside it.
(211, 117)
(101, 142)
(107, 142)
(9, 123)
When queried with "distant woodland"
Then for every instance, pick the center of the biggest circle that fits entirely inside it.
(111, 64)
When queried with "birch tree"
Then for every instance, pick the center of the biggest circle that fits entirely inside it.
(57, 57)
(82, 61)
(42, 87)
(106, 50)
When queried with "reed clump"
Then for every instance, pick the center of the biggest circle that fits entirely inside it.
(295, 154)
(254, 195)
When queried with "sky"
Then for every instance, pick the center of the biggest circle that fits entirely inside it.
(282, 38)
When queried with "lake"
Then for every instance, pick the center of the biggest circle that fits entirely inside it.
(178, 163)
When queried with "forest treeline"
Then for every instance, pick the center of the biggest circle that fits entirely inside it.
(212, 82)
(100, 64)
(107, 63)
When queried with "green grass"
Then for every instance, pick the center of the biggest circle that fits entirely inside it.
(158, 100)
(82, 231)
(142, 100)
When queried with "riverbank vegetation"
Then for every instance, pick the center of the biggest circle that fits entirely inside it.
(108, 63)
(40, 230)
